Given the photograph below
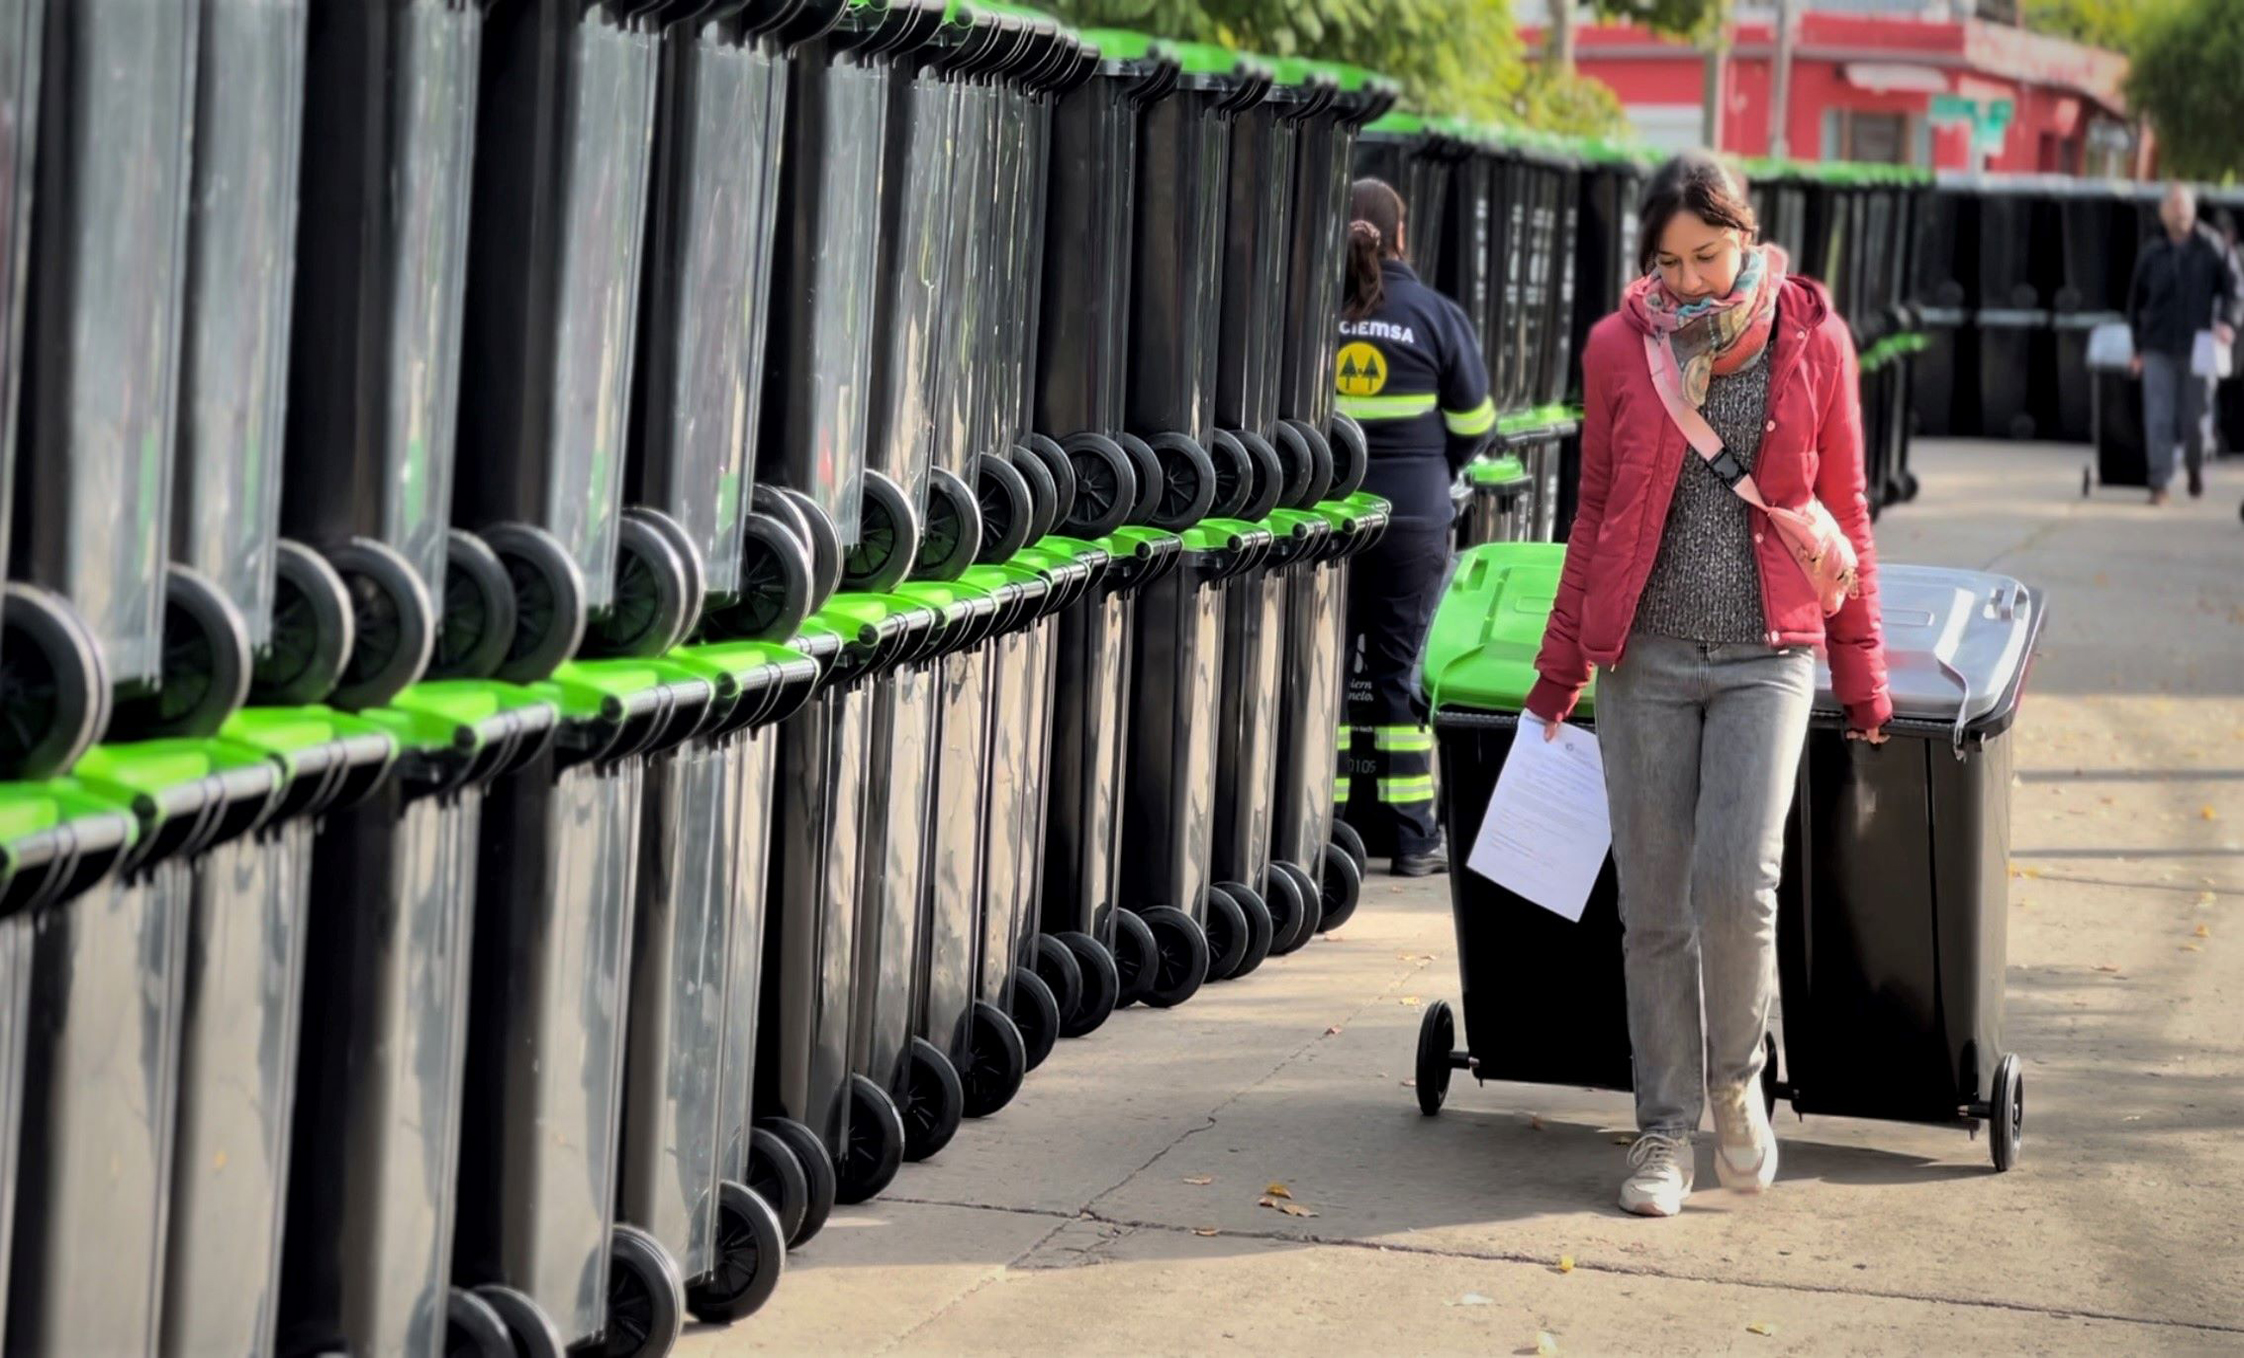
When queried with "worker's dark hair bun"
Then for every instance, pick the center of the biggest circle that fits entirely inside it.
(1375, 213)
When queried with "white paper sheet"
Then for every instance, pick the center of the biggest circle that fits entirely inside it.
(1546, 831)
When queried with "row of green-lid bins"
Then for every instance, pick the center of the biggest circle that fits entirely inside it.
(1892, 908)
(616, 615)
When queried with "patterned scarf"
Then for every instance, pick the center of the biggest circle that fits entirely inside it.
(1714, 334)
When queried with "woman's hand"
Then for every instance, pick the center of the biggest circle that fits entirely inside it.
(1877, 737)
(1550, 728)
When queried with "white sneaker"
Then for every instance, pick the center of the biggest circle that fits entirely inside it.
(1745, 1154)
(1660, 1176)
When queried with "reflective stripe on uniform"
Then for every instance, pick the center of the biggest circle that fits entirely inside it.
(1402, 738)
(1467, 424)
(1406, 791)
(1361, 408)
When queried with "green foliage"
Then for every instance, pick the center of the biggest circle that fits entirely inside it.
(1691, 20)
(2188, 79)
(2111, 24)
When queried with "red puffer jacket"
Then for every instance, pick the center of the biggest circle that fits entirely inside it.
(1632, 454)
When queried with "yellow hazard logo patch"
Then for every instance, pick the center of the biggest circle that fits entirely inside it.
(1363, 369)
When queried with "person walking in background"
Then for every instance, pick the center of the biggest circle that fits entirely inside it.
(1680, 588)
(1410, 372)
(2183, 286)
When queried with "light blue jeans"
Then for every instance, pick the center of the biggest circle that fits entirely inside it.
(1702, 748)
(2174, 404)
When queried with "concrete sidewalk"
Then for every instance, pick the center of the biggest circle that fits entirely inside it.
(1074, 1221)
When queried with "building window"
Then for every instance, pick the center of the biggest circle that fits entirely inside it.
(1880, 138)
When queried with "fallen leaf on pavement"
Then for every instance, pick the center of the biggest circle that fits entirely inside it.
(1410, 1001)
(1277, 1190)
(2109, 971)
(2034, 873)
(1291, 1209)
(1535, 1122)
(2191, 947)
(1204, 1230)
(1761, 1327)
(2132, 1117)
(2206, 813)
(2206, 898)
(1623, 1139)
(1472, 1299)
(1410, 1084)
(1566, 1263)
(2204, 932)
(1546, 1344)
(1199, 1180)
(1333, 1031)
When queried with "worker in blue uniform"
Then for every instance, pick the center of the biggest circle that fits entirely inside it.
(1410, 372)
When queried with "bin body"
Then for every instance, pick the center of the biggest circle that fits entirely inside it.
(1169, 798)
(2116, 401)
(909, 365)
(1246, 763)
(892, 872)
(754, 754)
(1090, 739)
(1502, 504)
(948, 969)
(1184, 154)
(1018, 698)
(1082, 349)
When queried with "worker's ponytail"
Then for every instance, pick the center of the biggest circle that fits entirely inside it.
(1375, 228)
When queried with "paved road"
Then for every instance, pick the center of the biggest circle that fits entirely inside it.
(1073, 1221)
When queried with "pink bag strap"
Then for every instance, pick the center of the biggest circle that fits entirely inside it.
(1695, 428)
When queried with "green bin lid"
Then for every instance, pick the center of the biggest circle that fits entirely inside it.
(29, 809)
(1122, 44)
(1496, 471)
(1480, 652)
(450, 714)
(1398, 123)
(1205, 58)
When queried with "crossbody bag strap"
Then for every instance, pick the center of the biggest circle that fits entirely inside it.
(1695, 428)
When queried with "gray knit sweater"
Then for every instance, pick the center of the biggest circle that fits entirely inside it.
(1705, 583)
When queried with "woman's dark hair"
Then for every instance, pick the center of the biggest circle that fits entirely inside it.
(1375, 219)
(1699, 184)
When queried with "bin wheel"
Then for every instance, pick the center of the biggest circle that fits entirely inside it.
(2009, 1112)
(681, 542)
(1269, 475)
(1351, 843)
(205, 665)
(549, 595)
(996, 1060)
(1062, 468)
(1102, 985)
(311, 634)
(1351, 458)
(751, 1255)
(953, 532)
(1437, 1038)
(1182, 947)
(1318, 484)
(1146, 465)
(1289, 439)
(778, 1177)
(530, 1331)
(1769, 1073)
(393, 621)
(1036, 1012)
(824, 540)
(1007, 512)
(477, 621)
(646, 1297)
(875, 1150)
(1261, 929)
(1293, 909)
(54, 689)
(887, 538)
(775, 584)
(1136, 957)
(1234, 476)
(774, 503)
(1055, 965)
(472, 1329)
(1044, 493)
(817, 1163)
(1340, 890)
(1106, 486)
(934, 1100)
(1909, 487)
(1227, 934)
(1188, 482)
(650, 606)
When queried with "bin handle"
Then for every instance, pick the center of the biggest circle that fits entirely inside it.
(1963, 708)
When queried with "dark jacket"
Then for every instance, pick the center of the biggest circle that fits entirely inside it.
(1411, 374)
(2179, 290)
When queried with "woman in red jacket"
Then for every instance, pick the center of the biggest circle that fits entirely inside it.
(1705, 628)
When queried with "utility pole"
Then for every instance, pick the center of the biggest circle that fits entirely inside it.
(1717, 49)
(1780, 101)
(1558, 40)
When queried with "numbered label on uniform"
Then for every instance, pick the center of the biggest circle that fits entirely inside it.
(1363, 369)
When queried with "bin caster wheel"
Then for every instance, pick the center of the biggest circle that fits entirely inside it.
(824, 541)
(205, 665)
(1351, 458)
(1146, 464)
(887, 539)
(1290, 440)
(876, 1143)
(651, 604)
(1044, 493)
(818, 1166)
(1437, 1038)
(1909, 487)
(311, 635)
(952, 535)
(751, 1256)
(1323, 473)
(1226, 931)
(1188, 482)
(934, 1100)
(472, 1329)
(393, 620)
(1136, 957)
(549, 601)
(1261, 929)
(1341, 889)
(1352, 844)
(1008, 513)
(1060, 467)
(1234, 476)
(476, 622)
(1182, 948)
(778, 1177)
(2009, 1112)
(1269, 475)
(646, 1297)
(530, 1331)
(1106, 486)
(776, 584)
(1293, 908)
(996, 1060)
(1055, 965)
(1036, 1012)
(1102, 985)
